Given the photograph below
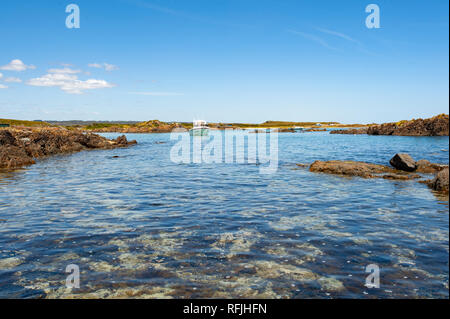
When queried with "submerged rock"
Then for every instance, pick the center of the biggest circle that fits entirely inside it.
(331, 284)
(20, 146)
(424, 166)
(10, 263)
(404, 162)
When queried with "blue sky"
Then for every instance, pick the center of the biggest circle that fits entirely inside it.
(224, 60)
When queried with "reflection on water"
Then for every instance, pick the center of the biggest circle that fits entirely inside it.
(141, 226)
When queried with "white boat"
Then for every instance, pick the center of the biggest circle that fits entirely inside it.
(199, 128)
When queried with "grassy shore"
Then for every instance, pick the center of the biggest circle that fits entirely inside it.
(25, 123)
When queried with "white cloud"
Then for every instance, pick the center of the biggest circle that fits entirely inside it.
(3, 86)
(13, 80)
(106, 66)
(1, 75)
(65, 70)
(110, 67)
(157, 93)
(16, 65)
(68, 83)
(95, 65)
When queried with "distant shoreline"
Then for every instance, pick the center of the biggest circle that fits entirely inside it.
(156, 126)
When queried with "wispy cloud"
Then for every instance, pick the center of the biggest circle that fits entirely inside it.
(155, 7)
(65, 70)
(3, 86)
(105, 66)
(338, 34)
(359, 45)
(157, 93)
(16, 65)
(313, 38)
(12, 80)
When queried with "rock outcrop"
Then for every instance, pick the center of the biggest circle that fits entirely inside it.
(408, 170)
(435, 126)
(153, 126)
(361, 169)
(21, 146)
(405, 162)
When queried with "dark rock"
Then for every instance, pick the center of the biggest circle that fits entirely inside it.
(13, 156)
(6, 138)
(403, 162)
(440, 182)
(122, 140)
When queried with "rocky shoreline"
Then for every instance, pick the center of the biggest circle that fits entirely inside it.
(435, 126)
(403, 168)
(21, 146)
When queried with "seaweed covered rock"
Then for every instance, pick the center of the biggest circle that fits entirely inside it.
(435, 126)
(6, 138)
(351, 131)
(361, 169)
(440, 182)
(426, 167)
(19, 147)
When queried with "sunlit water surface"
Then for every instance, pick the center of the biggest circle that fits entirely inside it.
(139, 225)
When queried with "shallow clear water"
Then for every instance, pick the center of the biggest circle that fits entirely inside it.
(142, 226)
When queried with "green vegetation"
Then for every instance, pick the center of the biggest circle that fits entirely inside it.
(24, 123)
(96, 126)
